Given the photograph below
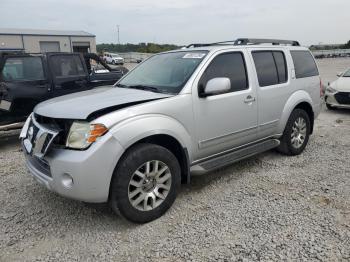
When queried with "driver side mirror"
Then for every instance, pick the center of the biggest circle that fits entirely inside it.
(339, 74)
(215, 86)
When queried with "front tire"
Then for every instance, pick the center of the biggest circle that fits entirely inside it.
(145, 183)
(296, 134)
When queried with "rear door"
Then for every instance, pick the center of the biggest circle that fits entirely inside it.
(69, 74)
(273, 87)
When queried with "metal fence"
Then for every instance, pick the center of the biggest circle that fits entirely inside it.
(134, 57)
(331, 53)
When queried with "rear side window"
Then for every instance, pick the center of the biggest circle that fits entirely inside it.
(67, 66)
(23, 69)
(271, 67)
(230, 65)
(304, 64)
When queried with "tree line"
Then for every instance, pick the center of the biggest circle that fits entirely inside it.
(141, 47)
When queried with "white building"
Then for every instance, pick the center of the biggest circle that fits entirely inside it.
(36, 41)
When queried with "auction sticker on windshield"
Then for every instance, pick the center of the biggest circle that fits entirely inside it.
(194, 55)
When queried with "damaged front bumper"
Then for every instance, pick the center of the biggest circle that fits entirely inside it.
(83, 175)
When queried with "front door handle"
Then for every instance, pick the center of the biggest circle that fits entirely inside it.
(249, 99)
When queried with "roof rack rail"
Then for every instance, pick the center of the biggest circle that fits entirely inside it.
(248, 41)
(254, 41)
(197, 45)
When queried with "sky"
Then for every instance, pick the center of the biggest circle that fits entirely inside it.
(185, 21)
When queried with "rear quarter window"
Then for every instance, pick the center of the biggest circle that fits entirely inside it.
(304, 64)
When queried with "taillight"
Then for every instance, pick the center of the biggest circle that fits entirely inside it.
(321, 88)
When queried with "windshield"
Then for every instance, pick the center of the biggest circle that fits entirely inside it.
(115, 55)
(347, 73)
(166, 73)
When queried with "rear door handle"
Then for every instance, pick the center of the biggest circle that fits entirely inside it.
(249, 99)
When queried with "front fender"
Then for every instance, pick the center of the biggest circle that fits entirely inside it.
(136, 128)
(296, 98)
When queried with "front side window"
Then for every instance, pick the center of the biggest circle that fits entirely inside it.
(23, 69)
(67, 66)
(271, 67)
(165, 73)
(230, 65)
(304, 64)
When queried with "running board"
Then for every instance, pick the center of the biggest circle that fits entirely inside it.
(234, 156)
(11, 126)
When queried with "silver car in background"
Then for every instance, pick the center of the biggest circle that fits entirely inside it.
(338, 93)
(181, 112)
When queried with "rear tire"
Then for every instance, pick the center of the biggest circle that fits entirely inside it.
(296, 134)
(145, 183)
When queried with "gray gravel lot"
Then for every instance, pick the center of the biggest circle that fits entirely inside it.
(269, 207)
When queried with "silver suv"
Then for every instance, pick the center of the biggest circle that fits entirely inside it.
(182, 112)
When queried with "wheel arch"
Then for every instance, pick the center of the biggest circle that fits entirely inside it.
(160, 130)
(302, 100)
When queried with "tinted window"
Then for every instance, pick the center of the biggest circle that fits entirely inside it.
(304, 64)
(230, 65)
(271, 67)
(281, 65)
(265, 68)
(65, 66)
(23, 69)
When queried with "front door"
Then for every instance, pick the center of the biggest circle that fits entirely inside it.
(69, 74)
(227, 120)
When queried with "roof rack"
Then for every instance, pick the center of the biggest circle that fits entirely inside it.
(255, 41)
(249, 41)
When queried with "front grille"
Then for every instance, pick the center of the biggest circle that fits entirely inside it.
(343, 98)
(61, 125)
(39, 138)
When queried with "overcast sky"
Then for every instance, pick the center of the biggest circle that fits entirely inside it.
(185, 21)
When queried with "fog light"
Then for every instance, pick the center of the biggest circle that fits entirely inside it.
(67, 180)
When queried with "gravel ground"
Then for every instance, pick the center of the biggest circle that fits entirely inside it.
(269, 207)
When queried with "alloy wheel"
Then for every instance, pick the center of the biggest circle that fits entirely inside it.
(298, 134)
(149, 185)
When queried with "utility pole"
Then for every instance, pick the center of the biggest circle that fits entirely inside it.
(118, 34)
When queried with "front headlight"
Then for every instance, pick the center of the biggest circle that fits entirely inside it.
(331, 90)
(82, 134)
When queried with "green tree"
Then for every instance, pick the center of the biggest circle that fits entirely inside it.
(347, 45)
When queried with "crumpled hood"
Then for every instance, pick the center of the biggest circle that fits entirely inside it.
(342, 84)
(82, 104)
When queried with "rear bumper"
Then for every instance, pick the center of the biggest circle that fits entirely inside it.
(91, 170)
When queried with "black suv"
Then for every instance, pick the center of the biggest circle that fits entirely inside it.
(28, 79)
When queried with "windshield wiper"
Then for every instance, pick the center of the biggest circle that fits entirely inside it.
(146, 88)
(143, 87)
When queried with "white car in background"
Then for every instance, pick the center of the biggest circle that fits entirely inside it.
(114, 59)
(338, 93)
